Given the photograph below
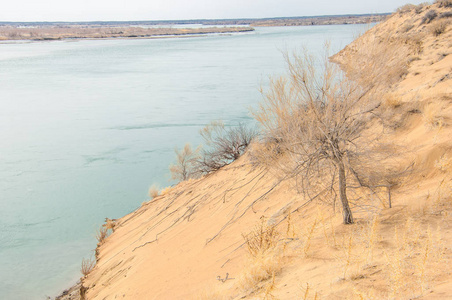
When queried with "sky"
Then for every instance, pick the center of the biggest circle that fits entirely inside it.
(129, 10)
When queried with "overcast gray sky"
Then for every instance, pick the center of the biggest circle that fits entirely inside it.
(123, 10)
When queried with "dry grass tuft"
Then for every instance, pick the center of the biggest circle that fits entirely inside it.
(392, 100)
(165, 190)
(415, 260)
(263, 238)
(87, 266)
(261, 268)
(308, 237)
(102, 234)
(266, 249)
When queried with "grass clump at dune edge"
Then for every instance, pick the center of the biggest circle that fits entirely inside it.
(265, 258)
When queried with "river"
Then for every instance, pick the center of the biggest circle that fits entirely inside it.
(87, 126)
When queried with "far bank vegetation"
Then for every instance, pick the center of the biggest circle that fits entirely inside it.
(96, 32)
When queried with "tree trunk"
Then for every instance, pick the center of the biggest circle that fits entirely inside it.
(346, 212)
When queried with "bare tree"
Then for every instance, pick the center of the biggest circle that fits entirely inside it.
(318, 117)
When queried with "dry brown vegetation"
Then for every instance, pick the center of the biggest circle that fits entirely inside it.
(77, 32)
(249, 231)
(318, 119)
(101, 234)
(87, 266)
(153, 192)
(320, 20)
(186, 163)
(444, 3)
(222, 146)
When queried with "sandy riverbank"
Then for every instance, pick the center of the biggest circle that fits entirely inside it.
(188, 242)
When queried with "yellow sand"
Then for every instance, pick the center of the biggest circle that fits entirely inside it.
(176, 245)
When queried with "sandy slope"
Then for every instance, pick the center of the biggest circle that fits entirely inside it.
(176, 245)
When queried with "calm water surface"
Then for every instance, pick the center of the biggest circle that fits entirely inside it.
(87, 126)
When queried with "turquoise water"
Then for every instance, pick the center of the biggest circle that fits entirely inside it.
(87, 126)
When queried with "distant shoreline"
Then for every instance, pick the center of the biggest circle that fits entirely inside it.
(51, 31)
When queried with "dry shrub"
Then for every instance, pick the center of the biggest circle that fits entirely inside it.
(153, 192)
(223, 145)
(407, 27)
(266, 259)
(110, 224)
(260, 269)
(263, 238)
(429, 16)
(87, 266)
(444, 3)
(166, 190)
(186, 166)
(406, 8)
(439, 28)
(445, 15)
(392, 100)
(101, 234)
(418, 9)
(319, 117)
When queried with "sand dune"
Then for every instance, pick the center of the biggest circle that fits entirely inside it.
(188, 243)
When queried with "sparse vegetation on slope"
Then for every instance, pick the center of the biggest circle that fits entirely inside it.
(222, 146)
(398, 247)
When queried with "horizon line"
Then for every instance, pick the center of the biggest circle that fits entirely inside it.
(191, 20)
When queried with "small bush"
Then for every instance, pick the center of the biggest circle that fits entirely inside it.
(186, 166)
(418, 9)
(263, 238)
(407, 28)
(165, 190)
(439, 28)
(392, 101)
(266, 258)
(444, 3)
(223, 146)
(405, 8)
(101, 234)
(110, 224)
(87, 266)
(445, 15)
(153, 192)
(429, 16)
